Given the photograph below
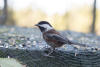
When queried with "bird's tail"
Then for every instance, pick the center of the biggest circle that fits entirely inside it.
(76, 43)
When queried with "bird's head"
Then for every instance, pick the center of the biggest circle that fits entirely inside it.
(44, 26)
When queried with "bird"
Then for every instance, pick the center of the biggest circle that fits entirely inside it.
(52, 37)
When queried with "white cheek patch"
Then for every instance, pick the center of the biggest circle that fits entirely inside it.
(46, 26)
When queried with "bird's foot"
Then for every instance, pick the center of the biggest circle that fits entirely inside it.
(48, 55)
(48, 52)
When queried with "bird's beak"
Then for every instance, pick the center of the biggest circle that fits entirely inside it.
(36, 24)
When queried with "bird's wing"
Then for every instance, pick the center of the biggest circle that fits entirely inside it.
(58, 38)
(63, 40)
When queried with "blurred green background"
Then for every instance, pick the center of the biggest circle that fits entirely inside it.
(72, 15)
(9, 62)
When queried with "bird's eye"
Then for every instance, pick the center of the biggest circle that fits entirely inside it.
(42, 28)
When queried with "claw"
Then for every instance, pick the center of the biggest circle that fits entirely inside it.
(49, 53)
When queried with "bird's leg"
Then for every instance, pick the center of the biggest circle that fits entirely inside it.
(51, 51)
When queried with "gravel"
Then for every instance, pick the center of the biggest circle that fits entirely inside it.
(31, 38)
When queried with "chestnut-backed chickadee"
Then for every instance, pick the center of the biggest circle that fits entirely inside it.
(52, 37)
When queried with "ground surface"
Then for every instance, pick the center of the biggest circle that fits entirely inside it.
(27, 46)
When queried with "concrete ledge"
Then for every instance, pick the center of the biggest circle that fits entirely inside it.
(35, 58)
(27, 46)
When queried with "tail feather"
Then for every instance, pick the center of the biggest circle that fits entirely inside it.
(79, 44)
